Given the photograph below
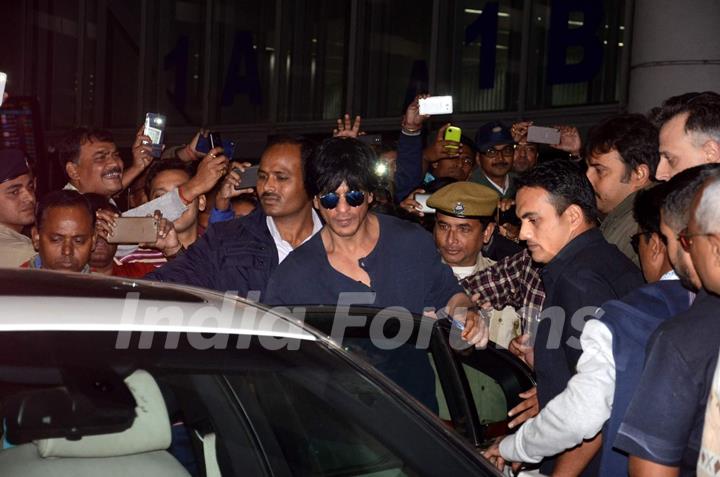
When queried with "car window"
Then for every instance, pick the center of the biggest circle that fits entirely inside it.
(487, 395)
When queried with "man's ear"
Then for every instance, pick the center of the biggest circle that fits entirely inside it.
(71, 170)
(202, 202)
(489, 230)
(715, 248)
(316, 203)
(435, 164)
(35, 236)
(657, 247)
(575, 215)
(641, 174)
(711, 149)
(371, 198)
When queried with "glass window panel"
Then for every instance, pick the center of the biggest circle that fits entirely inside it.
(479, 59)
(243, 62)
(177, 87)
(314, 46)
(394, 56)
(575, 59)
(54, 70)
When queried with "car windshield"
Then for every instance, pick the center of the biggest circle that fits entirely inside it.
(274, 405)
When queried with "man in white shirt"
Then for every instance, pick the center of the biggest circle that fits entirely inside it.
(613, 347)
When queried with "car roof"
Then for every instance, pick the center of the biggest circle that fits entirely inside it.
(41, 300)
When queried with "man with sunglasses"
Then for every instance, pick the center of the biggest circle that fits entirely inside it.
(662, 427)
(495, 151)
(390, 262)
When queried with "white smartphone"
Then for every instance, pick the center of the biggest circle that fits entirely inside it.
(422, 200)
(436, 105)
(155, 129)
(3, 80)
(543, 135)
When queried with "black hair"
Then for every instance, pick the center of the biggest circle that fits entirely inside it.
(68, 147)
(646, 208)
(683, 187)
(100, 202)
(565, 183)
(703, 111)
(163, 165)
(437, 184)
(339, 160)
(307, 148)
(633, 136)
(469, 143)
(62, 198)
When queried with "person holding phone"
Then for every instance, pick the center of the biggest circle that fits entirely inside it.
(495, 153)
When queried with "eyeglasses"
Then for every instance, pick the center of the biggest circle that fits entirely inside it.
(354, 198)
(685, 239)
(506, 151)
(635, 240)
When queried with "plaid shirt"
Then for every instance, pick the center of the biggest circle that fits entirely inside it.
(513, 281)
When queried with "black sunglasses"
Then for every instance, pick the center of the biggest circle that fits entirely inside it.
(354, 198)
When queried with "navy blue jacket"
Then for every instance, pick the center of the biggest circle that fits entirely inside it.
(409, 174)
(631, 322)
(238, 255)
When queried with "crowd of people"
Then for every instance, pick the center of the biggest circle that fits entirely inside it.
(597, 261)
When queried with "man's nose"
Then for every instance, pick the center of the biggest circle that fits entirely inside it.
(662, 173)
(525, 232)
(67, 248)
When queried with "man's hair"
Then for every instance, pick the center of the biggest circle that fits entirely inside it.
(646, 209)
(163, 165)
(634, 138)
(703, 110)
(566, 184)
(307, 148)
(62, 198)
(339, 160)
(683, 186)
(707, 213)
(68, 147)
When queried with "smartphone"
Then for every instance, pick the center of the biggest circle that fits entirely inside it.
(155, 130)
(371, 139)
(215, 140)
(249, 178)
(436, 105)
(228, 146)
(453, 133)
(134, 230)
(543, 135)
(422, 200)
(3, 81)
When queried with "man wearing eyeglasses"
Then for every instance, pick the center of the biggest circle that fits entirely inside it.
(662, 426)
(495, 151)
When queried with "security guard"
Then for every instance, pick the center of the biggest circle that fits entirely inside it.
(464, 223)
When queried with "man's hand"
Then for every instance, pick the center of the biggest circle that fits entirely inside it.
(227, 189)
(345, 129)
(190, 153)
(570, 141)
(476, 331)
(411, 206)
(492, 454)
(526, 409)
(212, 167)
(105, 223)
(167, 240)
(521, 348)
(442, 149)
(519, 131)
(142, 150)
(413, 120)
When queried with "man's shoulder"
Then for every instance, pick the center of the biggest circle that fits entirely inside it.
(699, 322)
(400, 227)
(233, 230)
(656, 300)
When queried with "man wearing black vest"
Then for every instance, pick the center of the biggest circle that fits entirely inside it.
(581, 271)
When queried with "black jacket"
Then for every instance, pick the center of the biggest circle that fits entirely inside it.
(238, 255)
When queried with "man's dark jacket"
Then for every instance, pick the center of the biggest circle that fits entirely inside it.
(238, 255)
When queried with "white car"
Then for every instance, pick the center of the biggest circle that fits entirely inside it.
(103, 376)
